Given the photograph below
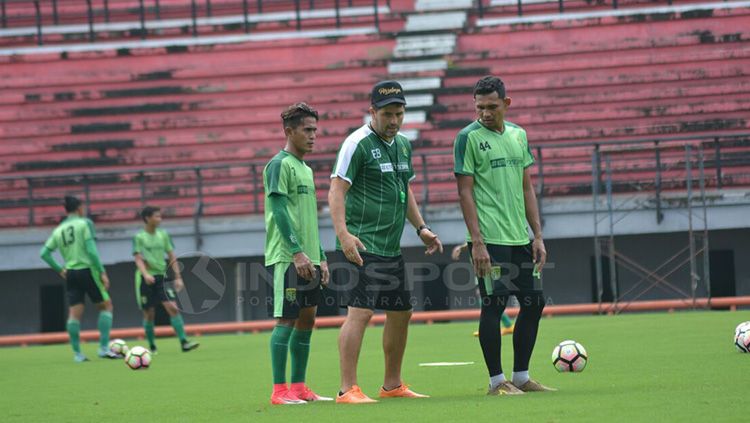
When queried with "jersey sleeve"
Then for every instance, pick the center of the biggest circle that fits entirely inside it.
(407, 147)
(89, 232)
(348, 162)
(168, 244)
(137, 245)
(277, 176)
(51, 243)
(528, 156)
(463, 156)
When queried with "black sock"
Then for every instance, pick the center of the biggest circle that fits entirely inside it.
(527, 327)
(489, 333)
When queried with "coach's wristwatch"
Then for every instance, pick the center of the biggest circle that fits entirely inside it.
(421, 228)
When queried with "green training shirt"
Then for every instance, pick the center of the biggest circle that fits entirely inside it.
(153, 248)
(497, 163)
(379, 174)
(70, 238)
(291, 177)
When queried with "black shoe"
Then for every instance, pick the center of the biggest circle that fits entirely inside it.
(189, 345)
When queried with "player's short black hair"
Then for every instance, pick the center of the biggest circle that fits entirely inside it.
(488, 85)
(149, 211)
(71, 203)
(293, 116)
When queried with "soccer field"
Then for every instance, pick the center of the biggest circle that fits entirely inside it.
(655, 367)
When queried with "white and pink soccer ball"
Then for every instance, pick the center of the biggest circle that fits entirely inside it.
(569, 356)
(119, 347)
(138, 358)
(742, 337)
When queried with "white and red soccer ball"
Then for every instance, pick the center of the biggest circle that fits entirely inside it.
(569, 356)
(138, 358)
(742, 337)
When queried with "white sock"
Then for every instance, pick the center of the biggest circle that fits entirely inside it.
(520, 378)
(496, 380)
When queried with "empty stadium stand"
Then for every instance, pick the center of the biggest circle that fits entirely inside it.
(190, 126)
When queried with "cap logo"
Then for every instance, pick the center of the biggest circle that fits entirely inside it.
(389, 91)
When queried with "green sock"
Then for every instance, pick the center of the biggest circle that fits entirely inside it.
(179, 327)
(148, 327)
(505, 321)
(299, 349)
(74, 331)
(104, 325)
(279, 348)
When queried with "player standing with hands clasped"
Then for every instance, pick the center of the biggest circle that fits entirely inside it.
(294, 256)
(491, 163)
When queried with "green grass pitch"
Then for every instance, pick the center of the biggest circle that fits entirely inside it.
(643, 367)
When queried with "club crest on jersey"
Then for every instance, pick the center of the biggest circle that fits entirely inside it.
(376, 154)
(496, 273)
(290, 294)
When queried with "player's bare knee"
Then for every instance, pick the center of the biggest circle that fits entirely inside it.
(360, 316)
(400, 315)
(105, 306)
(171, 308)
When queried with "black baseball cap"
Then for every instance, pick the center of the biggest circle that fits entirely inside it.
(387, 92)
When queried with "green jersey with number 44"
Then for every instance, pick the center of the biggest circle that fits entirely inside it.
(497, 163)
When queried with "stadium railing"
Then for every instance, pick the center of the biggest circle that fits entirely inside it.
(44, 16)
(484, 6)
(650, 166)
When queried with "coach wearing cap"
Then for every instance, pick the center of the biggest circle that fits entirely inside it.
(370, 198)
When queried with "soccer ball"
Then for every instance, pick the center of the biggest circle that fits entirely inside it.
(119, 347)
(138, 358)
(742, 337)
(569, 356)
(740, 327)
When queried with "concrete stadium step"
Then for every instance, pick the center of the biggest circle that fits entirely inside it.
(619, 75)
(626, 14)
(212, 63)
(585, 95)
(604, 60)
(330, 105)
(617, 110)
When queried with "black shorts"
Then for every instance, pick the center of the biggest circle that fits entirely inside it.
(290, 292)
(82, 282)
(149, 296)
(512, 271)
(380, 283)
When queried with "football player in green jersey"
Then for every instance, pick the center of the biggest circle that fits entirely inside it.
(492, 161)
(83, 273)
(150, 247)
(294, 257)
